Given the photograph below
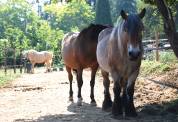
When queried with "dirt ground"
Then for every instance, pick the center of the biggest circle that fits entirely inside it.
(43, 97)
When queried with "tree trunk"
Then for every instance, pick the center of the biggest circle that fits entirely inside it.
(169, 24)
(14, 61)
(5, 58)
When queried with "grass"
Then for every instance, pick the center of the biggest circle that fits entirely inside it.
(9, 76)
(154, 68)
(167, 62)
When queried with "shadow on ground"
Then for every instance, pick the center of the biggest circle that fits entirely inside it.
(167, 112)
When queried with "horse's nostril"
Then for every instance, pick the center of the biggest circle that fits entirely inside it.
(134, 55)
(130, 53)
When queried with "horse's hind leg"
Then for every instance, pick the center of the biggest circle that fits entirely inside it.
(107, 103)
(70, 80)
(32, 69)
(92, 84)
(79, 83)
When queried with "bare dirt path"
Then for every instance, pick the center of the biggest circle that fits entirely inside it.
(43, 97)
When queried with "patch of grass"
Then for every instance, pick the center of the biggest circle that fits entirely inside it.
(168, 57)
(9, 76)
(153, 68)
(164, 57)
(167, 62)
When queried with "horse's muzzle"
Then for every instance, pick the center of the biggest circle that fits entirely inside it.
(134, 55)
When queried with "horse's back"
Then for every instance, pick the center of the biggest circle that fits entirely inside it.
(81, 50)
(40, 57)
(104, 33)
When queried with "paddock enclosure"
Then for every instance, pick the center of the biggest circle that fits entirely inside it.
(42, 97)
(63, 89)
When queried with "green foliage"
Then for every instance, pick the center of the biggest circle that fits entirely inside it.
(168, 57)
(152, 20)
(6, 78)
(167, 62)
(152, 2)
(72, 15)
(127, 5)
(103, 15)
(153, 68)
(23, 29)
(172, 4)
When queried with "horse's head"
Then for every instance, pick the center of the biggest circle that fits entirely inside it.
(133, 28)
(25, 54)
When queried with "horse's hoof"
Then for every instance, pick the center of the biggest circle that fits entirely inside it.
(79, 102)
(71, 99)
(117, 111)
(107, 105)
(93, 103)
(130, 111)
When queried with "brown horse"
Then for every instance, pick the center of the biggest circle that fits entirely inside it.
(119, 52)
(78, 53)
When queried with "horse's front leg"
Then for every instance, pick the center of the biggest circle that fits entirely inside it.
(70, 77)
(107, 103)
(79, 83)
(92, 84)
(128, 93)
(117, 103)
(33, 66)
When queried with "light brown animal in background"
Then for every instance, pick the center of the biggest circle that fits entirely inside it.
(36, 57)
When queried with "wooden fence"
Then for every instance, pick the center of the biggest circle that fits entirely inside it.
(156, 45)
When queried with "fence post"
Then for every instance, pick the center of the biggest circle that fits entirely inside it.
(21, 56)
(21, 61)
(5, 57)
(157, 45)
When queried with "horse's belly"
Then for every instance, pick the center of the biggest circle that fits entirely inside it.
(40, 59)
(69, 60)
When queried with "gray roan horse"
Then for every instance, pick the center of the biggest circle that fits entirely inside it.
(119, 52)
(78, 53)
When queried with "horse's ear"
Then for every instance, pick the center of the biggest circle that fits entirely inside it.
(142, 13)
(123, 14)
